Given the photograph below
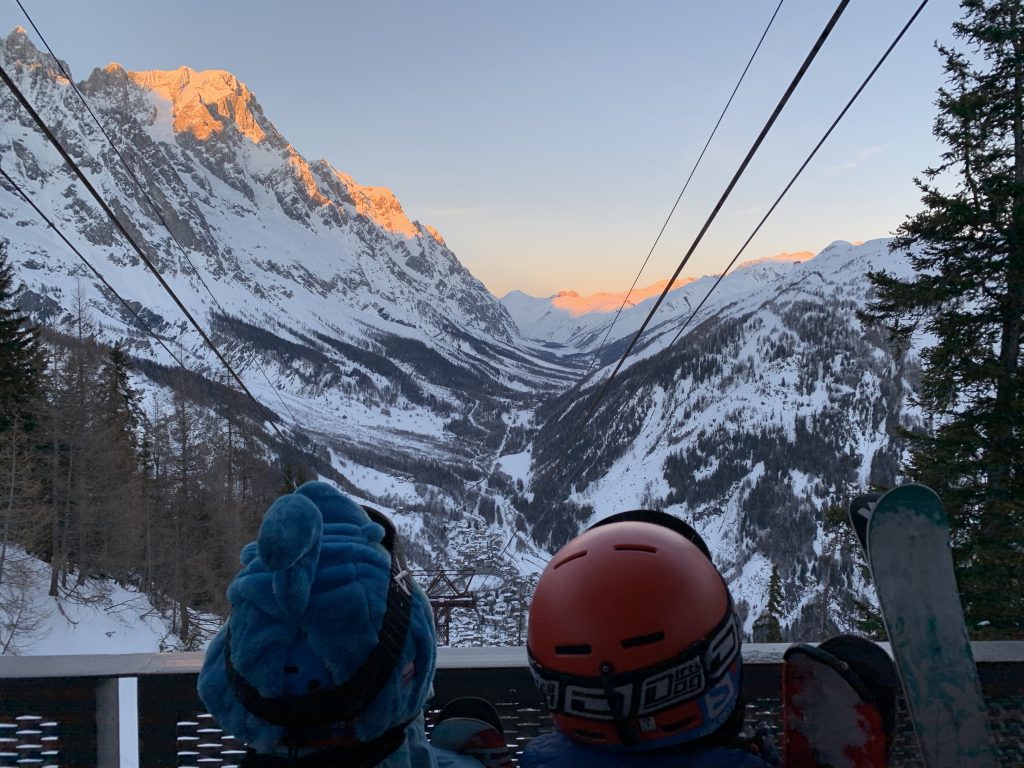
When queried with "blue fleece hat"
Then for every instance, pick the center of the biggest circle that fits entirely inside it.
(307, 610)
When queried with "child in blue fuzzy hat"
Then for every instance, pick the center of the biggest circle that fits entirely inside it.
(328, 656)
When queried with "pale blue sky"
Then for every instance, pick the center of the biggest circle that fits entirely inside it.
(548, 140)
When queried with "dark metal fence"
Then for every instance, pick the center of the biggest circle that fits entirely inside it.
(66, 710)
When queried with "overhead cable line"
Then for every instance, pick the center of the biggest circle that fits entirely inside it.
(686, 184)
(149, 199)
(782, 194)
(718, 206)
(135, 246)
(87, 263)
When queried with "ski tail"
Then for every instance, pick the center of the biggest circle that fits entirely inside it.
(861, 508)
(471, 726)
(831, 715)
(876, 670)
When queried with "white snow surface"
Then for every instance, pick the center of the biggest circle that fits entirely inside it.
(100, 617)
(300, 250)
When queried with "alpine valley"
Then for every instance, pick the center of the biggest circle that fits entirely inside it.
(391, 371)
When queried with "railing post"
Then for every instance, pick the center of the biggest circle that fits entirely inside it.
(108, 723)
(164, 701)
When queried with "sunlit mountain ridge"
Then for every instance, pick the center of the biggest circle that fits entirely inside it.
(395, 368)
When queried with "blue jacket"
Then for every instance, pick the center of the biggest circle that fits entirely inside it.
(554, 750)
(417, 752)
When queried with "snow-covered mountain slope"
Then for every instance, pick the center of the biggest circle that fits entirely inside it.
(774, 406)
(356, 325)
(430, 398)
(570, 323)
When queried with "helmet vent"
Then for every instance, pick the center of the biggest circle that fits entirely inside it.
(635, 548)
(569, 559)
(633, 642)
(573, 650)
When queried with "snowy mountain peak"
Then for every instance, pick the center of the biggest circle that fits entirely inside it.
(18, 47)
(378, 204)
(785, 257)
(576, 322)
(246, 202)
(576, 305)
(204, 103)
(432, 231)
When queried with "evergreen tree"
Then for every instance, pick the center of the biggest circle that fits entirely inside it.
(293, 475)
(20, 357)
(767, 628)
(967, 295)
(21, 367)
(115, 464)
(844, 546)
(120, 401)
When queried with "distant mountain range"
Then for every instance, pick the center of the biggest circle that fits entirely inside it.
(572, 323)
(423, 392)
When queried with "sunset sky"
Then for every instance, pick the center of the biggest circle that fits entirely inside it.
(547, 141)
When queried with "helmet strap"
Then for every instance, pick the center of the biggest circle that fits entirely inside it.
(626, 729)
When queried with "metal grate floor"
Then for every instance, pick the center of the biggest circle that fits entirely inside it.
(201, 742)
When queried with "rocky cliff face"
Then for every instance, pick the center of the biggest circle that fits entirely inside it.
(417, 386)
(377, 344)
(239, 198)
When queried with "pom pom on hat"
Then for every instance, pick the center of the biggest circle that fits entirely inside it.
(307, 609)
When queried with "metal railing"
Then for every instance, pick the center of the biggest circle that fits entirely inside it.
(67, 710)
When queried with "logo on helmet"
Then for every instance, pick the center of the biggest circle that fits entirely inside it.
(673, 685)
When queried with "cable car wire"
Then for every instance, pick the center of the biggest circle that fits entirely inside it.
(782, 194)
(93, 269)
(714, 213)
(127, 235)
(156, 210)
(686, 184)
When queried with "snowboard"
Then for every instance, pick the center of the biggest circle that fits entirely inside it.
(470, 726)
(905, 535)
(838, 704)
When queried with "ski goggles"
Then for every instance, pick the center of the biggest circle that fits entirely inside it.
(642, 693)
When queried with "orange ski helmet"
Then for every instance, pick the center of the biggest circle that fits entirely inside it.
(632, 636)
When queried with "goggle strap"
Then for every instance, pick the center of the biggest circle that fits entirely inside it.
(609, 681)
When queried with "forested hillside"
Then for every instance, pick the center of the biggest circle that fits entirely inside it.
(372, 358)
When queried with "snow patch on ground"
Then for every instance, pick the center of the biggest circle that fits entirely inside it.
(517, 465)
(751, 585)
(99, 617)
